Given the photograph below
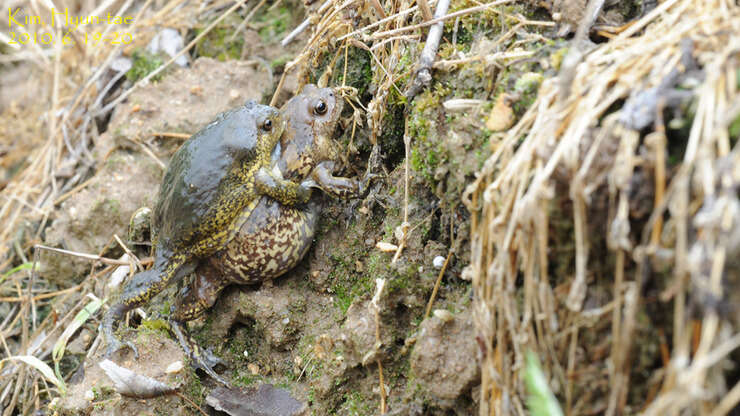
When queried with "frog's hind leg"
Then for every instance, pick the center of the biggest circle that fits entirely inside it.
(196, 298)
(191, 302)
(142, 287)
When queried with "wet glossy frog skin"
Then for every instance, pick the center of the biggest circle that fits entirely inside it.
(213, 183)
(275, 237)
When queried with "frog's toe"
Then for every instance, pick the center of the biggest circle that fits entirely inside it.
(114, 344)
(366, 184)
(200, 358)
(210, 358)
(205, 360)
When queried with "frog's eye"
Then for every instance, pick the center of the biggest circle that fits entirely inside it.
(266, 125)
(320, 108)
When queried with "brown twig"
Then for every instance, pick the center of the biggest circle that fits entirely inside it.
(437, 283)
(429, 53)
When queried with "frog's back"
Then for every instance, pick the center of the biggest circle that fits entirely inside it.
(197, 174)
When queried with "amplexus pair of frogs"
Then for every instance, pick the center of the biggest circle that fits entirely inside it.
(235, 207)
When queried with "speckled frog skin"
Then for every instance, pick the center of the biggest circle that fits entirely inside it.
(276, 236)
(212, 185)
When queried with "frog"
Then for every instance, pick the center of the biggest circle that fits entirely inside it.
(213, 183)
(276, 236)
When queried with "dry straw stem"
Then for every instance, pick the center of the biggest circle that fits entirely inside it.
(576, 142)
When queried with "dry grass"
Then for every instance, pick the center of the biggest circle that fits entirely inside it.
(589, 341)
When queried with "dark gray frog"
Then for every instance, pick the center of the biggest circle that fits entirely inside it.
(212, 185)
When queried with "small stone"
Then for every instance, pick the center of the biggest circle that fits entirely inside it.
(245, 354)
(286, 321)
(400, 231)
(116, 278)
(89, 395)
(174, 368)
(253, 368)
(438, 262)
(467, 273)
(386, 247)
(502, 115)
(443, 315)
(234, 94)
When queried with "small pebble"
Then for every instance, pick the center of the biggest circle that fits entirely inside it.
(253, 368)
(89, 395)
(467, 273)
(174, 368)
(438, 262)
(443, 315)
(286, 321)
(401, 230)
(246, 354)
(119, 274)
(234, 94)
(387, 247)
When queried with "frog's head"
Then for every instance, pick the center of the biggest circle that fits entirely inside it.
(312, 118)
(269, 125)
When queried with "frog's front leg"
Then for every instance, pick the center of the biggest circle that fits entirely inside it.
(142, 287)
(339, 187)
(191, 302)
(284, 191)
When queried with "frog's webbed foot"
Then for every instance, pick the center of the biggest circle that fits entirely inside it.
(115, 344)
(114, 314)
(365, 184)
(203, 359)
(373, 165)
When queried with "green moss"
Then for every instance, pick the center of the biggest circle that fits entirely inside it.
(347, 284)
(273, 24)
(218, 44)
(245, 378)
(391, 135)
(359, 72)
(157, 325)
(556, 58)
(279, 62)
(142, 64)
(108, 207)
(734, 131)
(355, 404)
(526, 87)
(194, 389)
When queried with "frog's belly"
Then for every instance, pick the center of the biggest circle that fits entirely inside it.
(272, 241)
